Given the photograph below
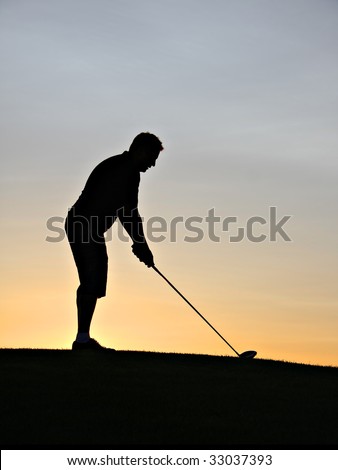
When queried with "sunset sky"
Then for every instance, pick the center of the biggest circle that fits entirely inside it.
(243, 95)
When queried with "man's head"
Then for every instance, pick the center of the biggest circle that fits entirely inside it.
(145, 149)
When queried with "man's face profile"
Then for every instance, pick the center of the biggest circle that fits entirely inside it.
(147, 159)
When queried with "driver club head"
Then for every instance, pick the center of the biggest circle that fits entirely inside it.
(248, 354)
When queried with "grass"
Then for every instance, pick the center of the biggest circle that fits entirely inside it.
(138, 400)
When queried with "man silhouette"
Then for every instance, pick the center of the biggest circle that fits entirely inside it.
(111, 192)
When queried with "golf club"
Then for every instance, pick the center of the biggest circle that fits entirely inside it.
(243, 355)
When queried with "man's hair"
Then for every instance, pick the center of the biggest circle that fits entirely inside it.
(145, 140)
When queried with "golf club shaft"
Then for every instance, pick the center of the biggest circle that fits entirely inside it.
(198, 313)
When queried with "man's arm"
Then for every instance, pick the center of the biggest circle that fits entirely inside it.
(132, 223)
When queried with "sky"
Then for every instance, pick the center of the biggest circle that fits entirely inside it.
(243, 95)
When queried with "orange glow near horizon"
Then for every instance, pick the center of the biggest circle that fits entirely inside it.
(141, 312)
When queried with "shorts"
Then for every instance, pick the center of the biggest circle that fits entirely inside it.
(90, 255)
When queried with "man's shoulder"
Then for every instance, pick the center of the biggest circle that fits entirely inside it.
(115, 160)
(112, 164)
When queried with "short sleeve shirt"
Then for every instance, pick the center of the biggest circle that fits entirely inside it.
(112, 186)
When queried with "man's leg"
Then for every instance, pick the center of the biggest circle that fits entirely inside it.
(85, 309)
(92, 264)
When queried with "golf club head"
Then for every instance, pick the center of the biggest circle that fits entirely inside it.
(248, 354)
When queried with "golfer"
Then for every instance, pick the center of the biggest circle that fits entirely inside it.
(111, 192)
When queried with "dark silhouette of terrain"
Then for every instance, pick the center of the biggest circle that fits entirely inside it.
(138, 400)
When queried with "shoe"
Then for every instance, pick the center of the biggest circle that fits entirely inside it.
(91, 345)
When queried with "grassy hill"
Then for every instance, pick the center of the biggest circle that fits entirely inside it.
(139, 400)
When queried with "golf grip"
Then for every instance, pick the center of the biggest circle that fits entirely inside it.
(198, 313)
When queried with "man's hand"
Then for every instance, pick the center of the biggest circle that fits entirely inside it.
(143, 253)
